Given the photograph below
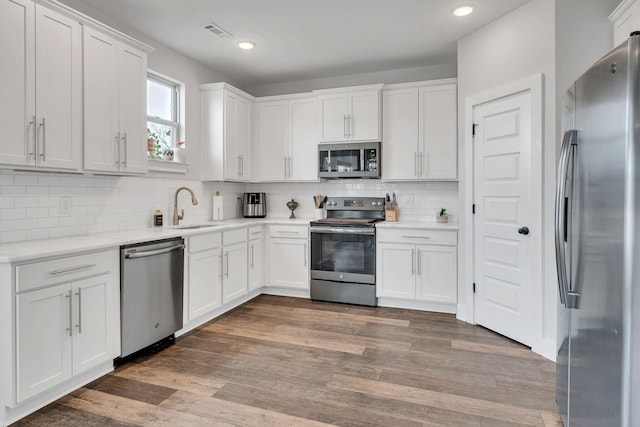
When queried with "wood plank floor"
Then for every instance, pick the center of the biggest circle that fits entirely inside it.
(278, 361)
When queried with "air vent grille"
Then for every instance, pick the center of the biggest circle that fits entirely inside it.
(217, 30)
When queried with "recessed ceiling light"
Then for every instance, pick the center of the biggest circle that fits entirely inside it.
(463, 10)
(247, 45)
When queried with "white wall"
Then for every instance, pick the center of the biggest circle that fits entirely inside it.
(403, 75)
(517, 45)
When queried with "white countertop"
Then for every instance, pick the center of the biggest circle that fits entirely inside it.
(33, 249)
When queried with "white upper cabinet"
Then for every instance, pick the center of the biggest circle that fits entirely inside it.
(41, 102)
(420, 131)
(226, 132)
(115, 105)
(626, 19)
(287, 139)
(350, 114)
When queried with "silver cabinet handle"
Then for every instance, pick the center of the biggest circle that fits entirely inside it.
(124, 147)
(567, 297)
(251, 249)
(31, 149)
(305, 254)
(344, 125)
(418, 261)
(287, 232)
(285, 166)
(290, 166)
(415, 164)
(44, 140)
(70, 328)
(413, 262)
(116, 149)
(349, 126)
(144, 254)
(70, 269)
(226, 255)
(416, 237)
(79, 325)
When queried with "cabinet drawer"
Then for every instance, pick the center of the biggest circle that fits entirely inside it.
(418, 236)
(290, 231)
(61, 270)
(255, 232)
(234, 236)
(203, 242)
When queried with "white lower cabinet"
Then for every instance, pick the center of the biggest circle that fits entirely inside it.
(255, 261)
(204, 267)
(65, 320)
(417, 265)
(234, 264)
(288, 259)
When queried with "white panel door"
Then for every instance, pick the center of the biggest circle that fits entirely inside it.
(363, 122)
(58, 90)
(436, 273)
(288, 263)
(244, 135)
(92, 323)
(100, 62)
(303, 137)
(231, 153)
(17, 80)
(256, 264)
(274, 140)
(234, 280)
(333, 112)
(400, 134)
(438, 154)
(503, 194)
(132, 84)
(396, 270)
(205, 282)
(43, 339)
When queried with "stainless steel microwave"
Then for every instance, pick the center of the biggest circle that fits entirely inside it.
(349, 160)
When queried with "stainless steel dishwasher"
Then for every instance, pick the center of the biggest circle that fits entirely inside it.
(151, 283)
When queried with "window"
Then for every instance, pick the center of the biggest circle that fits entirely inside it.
(163, 117)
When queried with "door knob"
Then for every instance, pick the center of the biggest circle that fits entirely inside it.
(523, 230)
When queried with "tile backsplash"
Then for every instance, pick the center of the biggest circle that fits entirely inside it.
(36, 205)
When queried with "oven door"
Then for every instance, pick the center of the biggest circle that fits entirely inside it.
(343, 254)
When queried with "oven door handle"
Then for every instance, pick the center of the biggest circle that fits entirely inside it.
(364, 231)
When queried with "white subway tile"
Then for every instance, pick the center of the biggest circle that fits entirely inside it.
(25, 224)
(38, 212)
(13, 190)
(13, 236)
(12, 213)
(26, 202)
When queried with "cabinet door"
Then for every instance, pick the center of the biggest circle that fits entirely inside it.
(629, 21)
(244, 137)
(400, 134)
(437, 273)
(234, 281)
(303, 137)
(395, 270)
(231, 153)
(333, 117)
(256, 264)
(58, 90)
(43, 339)
(92, 322)
(272, 130)
(17, 76)
(132, 101)
(205, 282)
(288, 263)
(363, 121)
(438, 132)
(101, 143)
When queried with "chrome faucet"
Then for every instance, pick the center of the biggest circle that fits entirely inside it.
(176, 217)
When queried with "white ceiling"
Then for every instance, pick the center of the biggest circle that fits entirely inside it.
(304, 39)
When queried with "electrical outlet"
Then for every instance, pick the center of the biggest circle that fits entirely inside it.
(65, 205)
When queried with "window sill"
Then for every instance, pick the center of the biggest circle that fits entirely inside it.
(168, 166)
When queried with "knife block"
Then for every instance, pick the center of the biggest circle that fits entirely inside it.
(391, 214)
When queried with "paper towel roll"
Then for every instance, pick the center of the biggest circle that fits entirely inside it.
(218, 208)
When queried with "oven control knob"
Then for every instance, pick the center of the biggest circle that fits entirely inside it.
(373, 203)
(379, 203)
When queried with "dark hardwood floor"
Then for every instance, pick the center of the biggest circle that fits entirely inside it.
(285, 361)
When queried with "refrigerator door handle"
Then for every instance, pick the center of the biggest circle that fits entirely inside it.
(567, 298)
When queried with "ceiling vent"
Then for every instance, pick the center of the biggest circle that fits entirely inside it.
(217, 30)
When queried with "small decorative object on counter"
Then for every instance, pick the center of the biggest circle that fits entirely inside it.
(442, 217)
(391, 208)
(292, 205)
(157, 217)
(168, 155)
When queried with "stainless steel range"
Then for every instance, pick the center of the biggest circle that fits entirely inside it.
(343, 251)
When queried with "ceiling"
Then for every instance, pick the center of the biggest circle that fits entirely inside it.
(304, 39)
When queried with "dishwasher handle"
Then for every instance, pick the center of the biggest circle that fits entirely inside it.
(144, 254)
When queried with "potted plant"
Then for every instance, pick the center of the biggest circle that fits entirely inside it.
(442, 217)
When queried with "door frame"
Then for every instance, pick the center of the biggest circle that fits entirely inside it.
(533, 84)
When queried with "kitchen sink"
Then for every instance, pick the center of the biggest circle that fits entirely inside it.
(194, 226)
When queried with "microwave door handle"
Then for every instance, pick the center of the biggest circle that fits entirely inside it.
(570, 139)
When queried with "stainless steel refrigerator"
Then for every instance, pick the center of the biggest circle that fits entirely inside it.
(598, 245)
